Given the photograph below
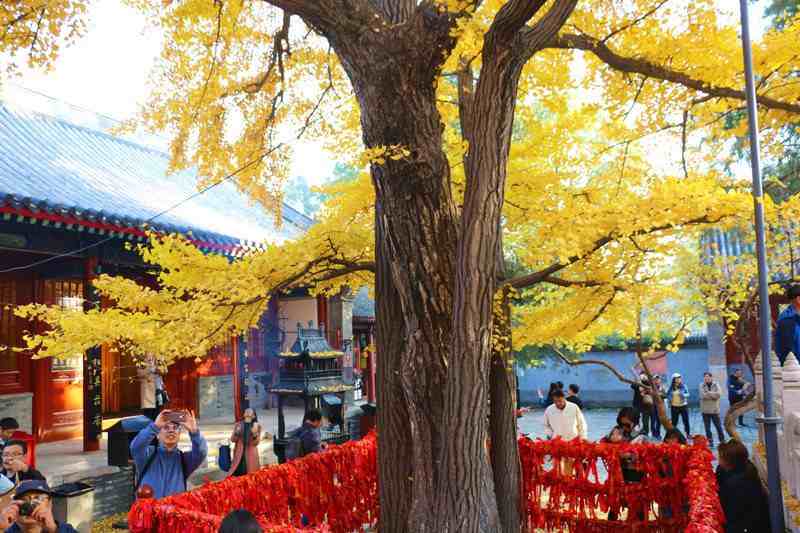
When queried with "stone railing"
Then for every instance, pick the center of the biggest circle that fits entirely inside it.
(786, 395)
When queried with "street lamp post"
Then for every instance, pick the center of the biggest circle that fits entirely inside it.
(769, 419)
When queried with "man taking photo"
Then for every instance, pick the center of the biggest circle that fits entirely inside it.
(15, 465)
(164, 467)
(32, 511)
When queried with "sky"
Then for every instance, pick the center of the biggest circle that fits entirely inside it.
(106, 72)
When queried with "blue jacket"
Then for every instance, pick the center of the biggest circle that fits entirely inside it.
(62, 528)
(787, 333)
(684, 395)
(165, 474)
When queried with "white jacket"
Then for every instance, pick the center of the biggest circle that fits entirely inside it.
(566, 423)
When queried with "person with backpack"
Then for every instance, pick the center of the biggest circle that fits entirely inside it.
(307, 438)
(164, 467)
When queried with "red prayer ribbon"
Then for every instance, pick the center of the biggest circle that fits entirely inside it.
(567, 486)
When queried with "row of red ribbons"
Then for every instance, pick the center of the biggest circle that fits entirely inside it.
(335, 491)
(577, 486)
(567, 486)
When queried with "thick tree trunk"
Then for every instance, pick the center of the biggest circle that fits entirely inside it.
(395, 451)
(416, 235)
(435, 272)
(503, 426)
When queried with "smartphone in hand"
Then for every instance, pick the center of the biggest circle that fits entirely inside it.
(177, 417)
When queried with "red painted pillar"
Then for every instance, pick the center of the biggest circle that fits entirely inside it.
(237, 390)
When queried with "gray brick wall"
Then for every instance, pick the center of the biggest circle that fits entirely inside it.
(20, 406)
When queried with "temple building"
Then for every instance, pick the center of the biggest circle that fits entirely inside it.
(71, 197)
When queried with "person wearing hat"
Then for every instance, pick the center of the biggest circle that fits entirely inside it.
(787, 330)
(678, 397)
(32, 511)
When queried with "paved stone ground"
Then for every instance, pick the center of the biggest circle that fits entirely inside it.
(600, 422)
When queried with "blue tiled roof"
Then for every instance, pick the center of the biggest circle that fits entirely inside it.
(50, 164)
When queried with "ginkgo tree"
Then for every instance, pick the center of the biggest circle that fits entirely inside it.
(581, 137)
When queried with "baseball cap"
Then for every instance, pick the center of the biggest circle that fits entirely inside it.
(32, 485)
(676, 375)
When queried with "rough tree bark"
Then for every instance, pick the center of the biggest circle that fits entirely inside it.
(504, 452)
(394, 78)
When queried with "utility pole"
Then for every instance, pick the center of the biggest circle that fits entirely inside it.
(769, 420)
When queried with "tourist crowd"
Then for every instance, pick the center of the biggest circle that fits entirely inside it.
(652, 402)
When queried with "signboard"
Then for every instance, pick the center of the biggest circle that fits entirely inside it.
(92, 372)
(93, 399)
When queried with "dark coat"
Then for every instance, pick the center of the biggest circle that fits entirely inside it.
(577, 401)
(743, 500)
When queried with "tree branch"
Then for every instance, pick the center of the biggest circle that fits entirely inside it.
(528, 280)
(561, 282)
(331, 16)
(532, 39)
(620, 376)
(635, 65)
(512, 17)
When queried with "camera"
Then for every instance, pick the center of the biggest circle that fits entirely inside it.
(27, 508)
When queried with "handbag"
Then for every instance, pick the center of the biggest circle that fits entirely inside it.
(224, 458)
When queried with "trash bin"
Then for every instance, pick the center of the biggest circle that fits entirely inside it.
(73, 503)
(120, 436)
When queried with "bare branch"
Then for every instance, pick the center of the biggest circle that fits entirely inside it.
(636, 96)
(620, 376)
(642, 66)
(36, 32)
